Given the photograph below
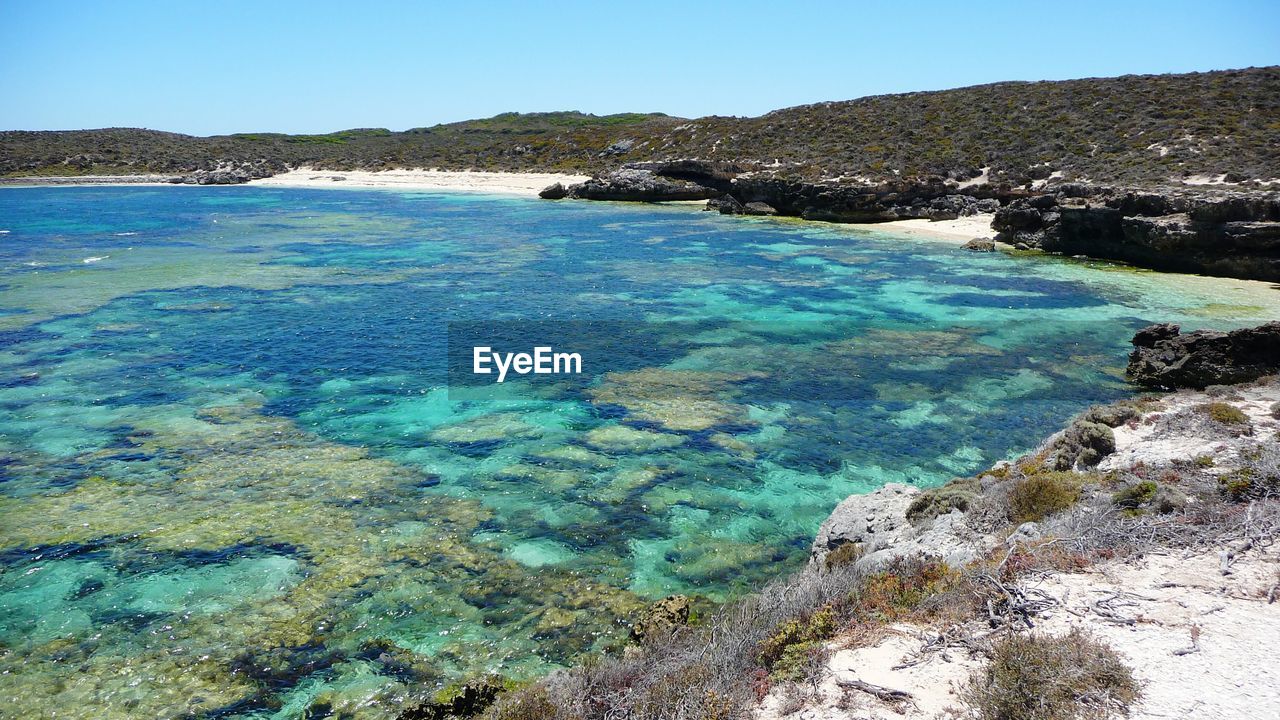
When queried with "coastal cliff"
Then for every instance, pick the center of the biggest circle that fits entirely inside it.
(1125, 566)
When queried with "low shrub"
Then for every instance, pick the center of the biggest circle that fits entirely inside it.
(532, 703)
(1237, 484)
(1135, 496)
(958, 494)
(786, 650)
(1224, 413)
(845, 554)
(1037, 496)
(906, 587)
(1258, 475)
(1041, 677)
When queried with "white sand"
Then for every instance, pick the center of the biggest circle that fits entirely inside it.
(1232, 676)
(959, 230)
(482, 182)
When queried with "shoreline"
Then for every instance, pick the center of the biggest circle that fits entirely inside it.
(960, 230)
(499, 183)
(85, 181)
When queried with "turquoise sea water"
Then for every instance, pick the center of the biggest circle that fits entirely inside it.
(234, 484)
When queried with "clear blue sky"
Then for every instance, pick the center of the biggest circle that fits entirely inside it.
(218, 66)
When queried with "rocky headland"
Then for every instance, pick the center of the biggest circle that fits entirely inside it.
(1210, 230)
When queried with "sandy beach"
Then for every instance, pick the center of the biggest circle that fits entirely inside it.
(959, 230)
(482, 182)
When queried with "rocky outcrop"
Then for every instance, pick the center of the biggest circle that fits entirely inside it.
(214, 177)
(1164, 358)
(1229, 233)
(858, 202)
(729, 205)
(639, 186)
(733, 192)
(226, 174)
(876, 525)
(662, 617)
(460, 700)
(715, 175)
(555, 191)
(980, 245)
(91, 180)
(1234, 234)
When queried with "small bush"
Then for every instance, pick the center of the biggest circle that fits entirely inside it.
(905, 587)
(1037, 496)
(1224, 413)
(845, 554)
(1237, 484)
(531, 704)
(1135, 496)
(783, 651)
(958, 494)
(1258, 475)
(1040, 677)
(1000, 472)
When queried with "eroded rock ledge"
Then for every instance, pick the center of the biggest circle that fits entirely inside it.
(634, 185)
(1232, 233)
(1164, 358)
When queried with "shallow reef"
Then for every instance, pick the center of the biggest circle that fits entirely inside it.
(235, 482)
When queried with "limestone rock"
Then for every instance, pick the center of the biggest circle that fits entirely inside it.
(1235, 234)
(662, 617)
(1026, 532)
(980, 245)
(555, 191)
(758, 208)
(639, 186)
(1166, 359)
(878, 522)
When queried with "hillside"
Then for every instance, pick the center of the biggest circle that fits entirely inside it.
(1130, 129)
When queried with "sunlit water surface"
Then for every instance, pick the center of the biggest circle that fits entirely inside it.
(233, 483)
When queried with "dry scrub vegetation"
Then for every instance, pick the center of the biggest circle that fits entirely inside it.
(1051, 678)
(1135, 128)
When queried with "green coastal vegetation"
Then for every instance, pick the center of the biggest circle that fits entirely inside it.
(1131, 129)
